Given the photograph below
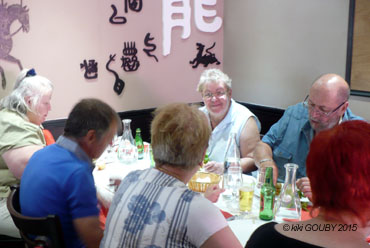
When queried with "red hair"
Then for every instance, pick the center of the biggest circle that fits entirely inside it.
(338, 166)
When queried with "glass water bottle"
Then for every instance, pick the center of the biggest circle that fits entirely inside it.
(288, 205)
(232, 179)
(127, 151)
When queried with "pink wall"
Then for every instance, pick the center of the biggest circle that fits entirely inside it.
(64, 33)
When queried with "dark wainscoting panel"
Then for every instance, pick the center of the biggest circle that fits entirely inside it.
(56, 127)
(143, 117)
(140, 119)
(267, 115)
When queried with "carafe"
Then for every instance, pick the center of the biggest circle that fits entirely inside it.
(127, 151)
(288, 205)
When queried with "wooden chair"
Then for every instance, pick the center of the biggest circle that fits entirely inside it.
(10, 242)
(36, 231)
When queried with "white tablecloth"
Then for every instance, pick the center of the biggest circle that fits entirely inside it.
(113, 170)
(242, 227)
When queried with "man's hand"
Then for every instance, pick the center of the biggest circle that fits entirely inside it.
(304, 185)
(213, 192)
(275, 172)
(263, 152)
(214, 167)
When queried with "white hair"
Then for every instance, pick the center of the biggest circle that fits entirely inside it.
(26, 88)
(213, 75)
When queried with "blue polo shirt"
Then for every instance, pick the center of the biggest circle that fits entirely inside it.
(291, 136)
(58, 180)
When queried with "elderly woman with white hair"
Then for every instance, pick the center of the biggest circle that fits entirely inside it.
(21, 115)
(226, 116)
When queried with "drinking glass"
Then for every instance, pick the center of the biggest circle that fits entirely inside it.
(261, 177)
(246, 192)
(234, 180)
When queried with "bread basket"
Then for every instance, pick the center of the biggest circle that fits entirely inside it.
(201, 180)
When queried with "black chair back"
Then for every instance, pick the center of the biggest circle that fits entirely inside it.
(47, 231)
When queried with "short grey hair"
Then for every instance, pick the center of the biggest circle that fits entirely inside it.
(179, 135)
(32, 87)
(213, 75)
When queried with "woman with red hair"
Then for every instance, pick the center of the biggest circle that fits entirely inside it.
(338, 167)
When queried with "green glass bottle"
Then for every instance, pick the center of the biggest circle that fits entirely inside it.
(139, 144)
(206, 159)
(267, 197)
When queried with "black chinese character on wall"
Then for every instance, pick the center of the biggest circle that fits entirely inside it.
(151, 46)
(129, 58)
(91, 69)
(134, 5)
(119, 84)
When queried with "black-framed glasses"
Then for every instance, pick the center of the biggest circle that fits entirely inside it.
(31, 73)
(310, 106)
(218, 94)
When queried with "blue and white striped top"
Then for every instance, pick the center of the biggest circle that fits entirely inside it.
(153, 209)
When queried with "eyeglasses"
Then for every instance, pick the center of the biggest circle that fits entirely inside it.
(218, 94)
(310, 106)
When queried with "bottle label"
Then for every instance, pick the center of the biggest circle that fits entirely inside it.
(262, 205)
(140, 148)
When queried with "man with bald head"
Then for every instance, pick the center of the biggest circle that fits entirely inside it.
(289, 139)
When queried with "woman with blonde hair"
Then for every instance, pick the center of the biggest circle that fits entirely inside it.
(154, 207)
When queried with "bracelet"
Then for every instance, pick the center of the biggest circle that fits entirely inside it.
(262, 161)
(265, 160)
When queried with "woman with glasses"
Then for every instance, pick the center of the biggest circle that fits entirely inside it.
(226, 116)
(21, 115)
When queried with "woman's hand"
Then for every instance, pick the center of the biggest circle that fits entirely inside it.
(213, 192)
(214, 167)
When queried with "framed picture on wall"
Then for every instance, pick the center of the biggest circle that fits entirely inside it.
(358, 48)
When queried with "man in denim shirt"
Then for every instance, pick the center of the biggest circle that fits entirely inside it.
(288, 140)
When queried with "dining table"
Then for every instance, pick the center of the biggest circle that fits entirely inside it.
(109, 171)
